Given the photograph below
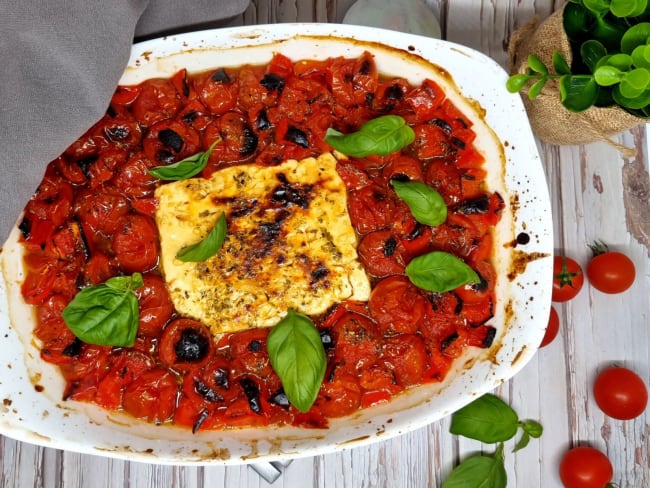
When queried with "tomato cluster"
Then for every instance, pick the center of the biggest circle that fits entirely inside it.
(92, 218)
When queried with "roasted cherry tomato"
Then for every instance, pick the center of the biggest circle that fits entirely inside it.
(585, 467)
(186, 344)
(620, 393)
(568, 278)
(135, 243)
(610, 271)
(152, 395)
(397, 305)
(156, 306)
(552, 328)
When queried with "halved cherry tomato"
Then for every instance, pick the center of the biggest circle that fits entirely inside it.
(585, 467)
(186, 344)
(568, 278)
(152, 395)
(620, 393)
(610, 271)
(552, 328)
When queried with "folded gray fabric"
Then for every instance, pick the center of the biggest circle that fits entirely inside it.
(61, 61)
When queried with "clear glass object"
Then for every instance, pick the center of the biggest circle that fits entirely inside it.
(412, 16)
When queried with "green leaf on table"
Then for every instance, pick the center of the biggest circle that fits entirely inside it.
(106, 314)
(487, 419)
(516, 83)
(536, 89)
(479, 471)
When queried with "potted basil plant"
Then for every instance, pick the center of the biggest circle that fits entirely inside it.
(585, 70)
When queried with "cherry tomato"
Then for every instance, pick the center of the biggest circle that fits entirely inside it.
(135, 243)
(397, 305)
(152, 395)
(568, 279)
(156, 306)
(620, 393)
(552, 328)
(585, 467)
(610, 271)
(186, 344)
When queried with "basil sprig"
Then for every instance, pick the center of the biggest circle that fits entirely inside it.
(208, 246)
(298, 357)
(377, 137)
(488, 419)
(106, 314)
(440, 271)
(186, 168)
(479, 471)
(426, 204)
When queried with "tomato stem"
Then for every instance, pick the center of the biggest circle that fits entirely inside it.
(564, 277)
(598, 247)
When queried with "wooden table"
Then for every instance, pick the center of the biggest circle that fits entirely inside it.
(596, 194)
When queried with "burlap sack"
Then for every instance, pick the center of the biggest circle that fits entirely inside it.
(550, 121)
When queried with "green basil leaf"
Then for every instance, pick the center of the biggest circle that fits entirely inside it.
(106, 314)
(479, 472)
(523, 441)
(298, 357)
(578, 92)
(426, 204)
(207, 247)
(532, 428)
(487, 419)
(381, 136)
(184, 169)
(440, 271)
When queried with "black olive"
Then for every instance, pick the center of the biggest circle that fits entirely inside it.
(280, 399)
(478, 205)
(457, 142)
(85, 163)
(25, 227)
(171, 139)
(459, 305)
(73, 349)
(390, 246)
(117, 133)
(249, 142)
(205, 413)
(263, 121)
(297, 136)
(448, 341)
(272, 82)
(489, 337)
(206, 392)
(252, 392)
(327, 339)
(442, 124)
(394, 92)
(255, 346)
(192, 347)
(222, 378)
(220, 76)
(165, 156)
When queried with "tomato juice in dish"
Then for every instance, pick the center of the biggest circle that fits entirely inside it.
(93, 218)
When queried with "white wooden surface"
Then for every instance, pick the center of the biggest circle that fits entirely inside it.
(595, 194)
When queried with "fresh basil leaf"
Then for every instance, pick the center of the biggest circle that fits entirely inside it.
(106, 314)
(380, 137)
(207, 247)
(426, 204)
(487, 419)
(479, 472)
(298, 357)
(440, 271)
(532, 428)
(184, 169)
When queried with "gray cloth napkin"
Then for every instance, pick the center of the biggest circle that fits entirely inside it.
(60, 63)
